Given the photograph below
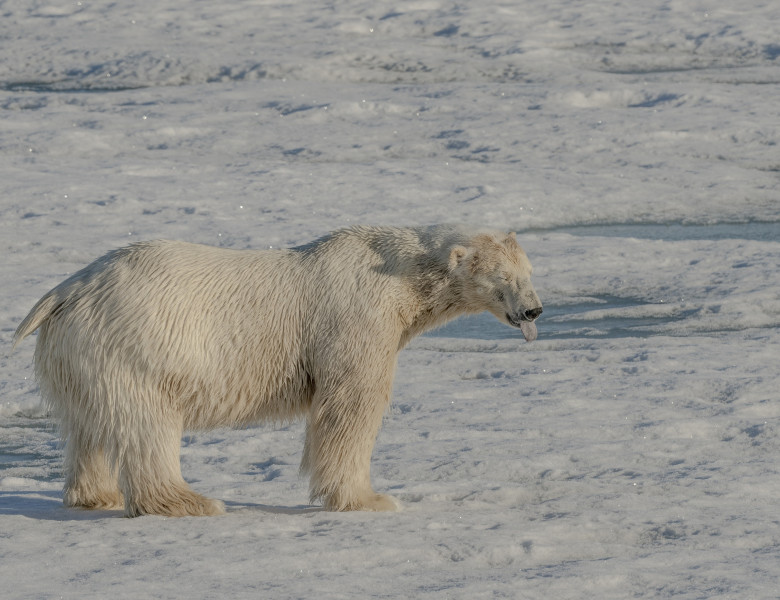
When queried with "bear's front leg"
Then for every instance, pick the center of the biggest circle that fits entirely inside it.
(341, 431)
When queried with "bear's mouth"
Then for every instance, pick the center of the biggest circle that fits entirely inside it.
(525, 325)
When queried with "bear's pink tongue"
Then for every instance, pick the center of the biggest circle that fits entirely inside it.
(529, 330)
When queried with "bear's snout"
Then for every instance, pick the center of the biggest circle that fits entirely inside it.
(532, 314)
(525, 316)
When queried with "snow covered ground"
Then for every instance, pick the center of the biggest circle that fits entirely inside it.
(630, 452)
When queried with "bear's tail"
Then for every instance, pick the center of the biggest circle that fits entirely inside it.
(40, 313)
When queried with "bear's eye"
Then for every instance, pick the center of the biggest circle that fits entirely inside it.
(505, 277)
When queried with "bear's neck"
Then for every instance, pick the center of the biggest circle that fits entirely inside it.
(419, 258)
(437, 300)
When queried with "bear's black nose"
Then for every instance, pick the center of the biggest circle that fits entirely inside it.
(533, 313)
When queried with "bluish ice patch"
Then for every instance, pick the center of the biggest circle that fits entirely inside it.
(756, 231)
(29, 448)
(569, 321)
(12, 458)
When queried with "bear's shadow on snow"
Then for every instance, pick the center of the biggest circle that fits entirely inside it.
(47, 506)
(243, 507)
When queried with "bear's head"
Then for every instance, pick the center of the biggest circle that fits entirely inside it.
(493, 273)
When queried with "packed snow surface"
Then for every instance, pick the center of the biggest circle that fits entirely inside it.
(630, 452)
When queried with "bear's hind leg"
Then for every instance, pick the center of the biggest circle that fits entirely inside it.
(90, 482)
(169, 499)
(150, 477)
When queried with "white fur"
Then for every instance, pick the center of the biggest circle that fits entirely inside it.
(160, 337)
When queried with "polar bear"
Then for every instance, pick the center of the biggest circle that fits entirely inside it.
(161, 337)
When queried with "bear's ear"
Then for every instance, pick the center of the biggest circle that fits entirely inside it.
(457, 254)
(511, 239)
